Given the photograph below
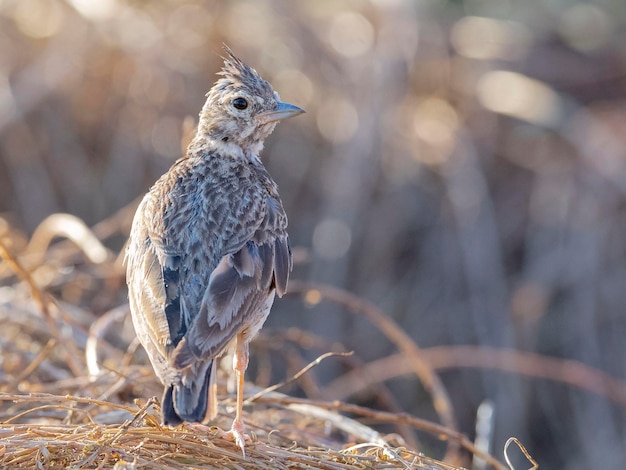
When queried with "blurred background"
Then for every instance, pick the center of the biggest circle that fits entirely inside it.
(462, 165)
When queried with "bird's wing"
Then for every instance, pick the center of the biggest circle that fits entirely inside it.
(149, 296)
(242, 285)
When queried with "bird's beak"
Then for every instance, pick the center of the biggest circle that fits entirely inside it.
(283, 111)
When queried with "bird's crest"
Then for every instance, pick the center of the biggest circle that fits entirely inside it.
(235, 74)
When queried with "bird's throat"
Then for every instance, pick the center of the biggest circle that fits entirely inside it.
(234, 150)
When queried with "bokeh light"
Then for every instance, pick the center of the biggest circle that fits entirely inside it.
(351, 34)
(519, 96)
(331, 238)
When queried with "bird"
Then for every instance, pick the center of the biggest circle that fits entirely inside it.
(209, 250)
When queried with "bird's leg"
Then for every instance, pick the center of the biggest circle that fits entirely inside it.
(212, 412)
(240, 364)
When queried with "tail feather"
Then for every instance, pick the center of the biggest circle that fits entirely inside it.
(170, 417)
(190, 401)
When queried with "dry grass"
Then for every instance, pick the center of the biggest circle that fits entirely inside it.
(70, 432)
(75, 386)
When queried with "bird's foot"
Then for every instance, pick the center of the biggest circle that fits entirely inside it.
(237, 435)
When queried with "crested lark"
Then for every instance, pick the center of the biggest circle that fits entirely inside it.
(208, 248)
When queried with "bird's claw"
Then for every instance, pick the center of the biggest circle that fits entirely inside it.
(237, 435)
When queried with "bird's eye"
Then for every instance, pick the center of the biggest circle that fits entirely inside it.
(240, 103)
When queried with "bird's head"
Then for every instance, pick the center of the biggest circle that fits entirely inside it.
(242, 108)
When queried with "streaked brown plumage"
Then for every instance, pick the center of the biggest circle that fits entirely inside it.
(209, 249)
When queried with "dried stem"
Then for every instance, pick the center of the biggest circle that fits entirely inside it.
(431, 382)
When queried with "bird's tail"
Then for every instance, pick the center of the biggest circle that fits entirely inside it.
(193, 399)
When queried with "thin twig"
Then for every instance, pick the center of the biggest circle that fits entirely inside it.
(25, 276)
(437, 430)
(511, 440)
(566, 371)
(297, 375)
(430, 381)
(44, 301)
(307, 340)
(49, 346)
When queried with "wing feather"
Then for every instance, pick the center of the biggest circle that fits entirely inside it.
(283, 264)
(147, 296)
(234, 299)
(190, 315)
